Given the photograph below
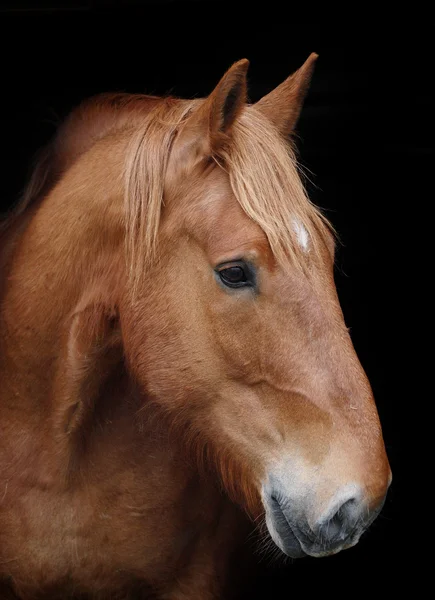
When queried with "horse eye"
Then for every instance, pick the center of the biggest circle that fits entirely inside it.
(235, 275)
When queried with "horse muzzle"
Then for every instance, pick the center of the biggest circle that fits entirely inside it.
(298, 529)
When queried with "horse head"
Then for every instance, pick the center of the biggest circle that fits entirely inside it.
(231, 320)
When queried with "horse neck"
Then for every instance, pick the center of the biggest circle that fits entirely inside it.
(52, 256)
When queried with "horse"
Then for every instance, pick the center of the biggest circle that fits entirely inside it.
(176, 375)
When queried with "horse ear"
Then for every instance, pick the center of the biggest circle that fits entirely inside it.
(283, 105)
(211, 123)
(227, 101)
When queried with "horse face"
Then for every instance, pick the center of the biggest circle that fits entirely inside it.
(257, 361)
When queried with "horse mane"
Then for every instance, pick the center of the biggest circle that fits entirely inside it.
(261, 166)
(92, 120)
(263, 174)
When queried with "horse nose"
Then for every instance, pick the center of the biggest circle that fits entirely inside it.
(298, 529)
(342, 525)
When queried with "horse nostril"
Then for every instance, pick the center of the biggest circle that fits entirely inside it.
(340, 524)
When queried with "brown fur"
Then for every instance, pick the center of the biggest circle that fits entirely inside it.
(142, 405)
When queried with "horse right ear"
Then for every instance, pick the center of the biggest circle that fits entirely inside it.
(209, 125)
(225, 103)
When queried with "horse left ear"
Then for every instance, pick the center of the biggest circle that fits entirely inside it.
(283, 105)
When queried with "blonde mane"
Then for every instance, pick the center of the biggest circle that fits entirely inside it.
(260, 164)
(262, 171)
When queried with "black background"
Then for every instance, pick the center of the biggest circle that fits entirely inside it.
(361, 139)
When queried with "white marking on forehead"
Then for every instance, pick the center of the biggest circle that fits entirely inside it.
(301, 234)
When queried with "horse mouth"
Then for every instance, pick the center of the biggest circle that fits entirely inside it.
(282, 532)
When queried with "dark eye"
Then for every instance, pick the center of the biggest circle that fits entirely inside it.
(236, 275)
